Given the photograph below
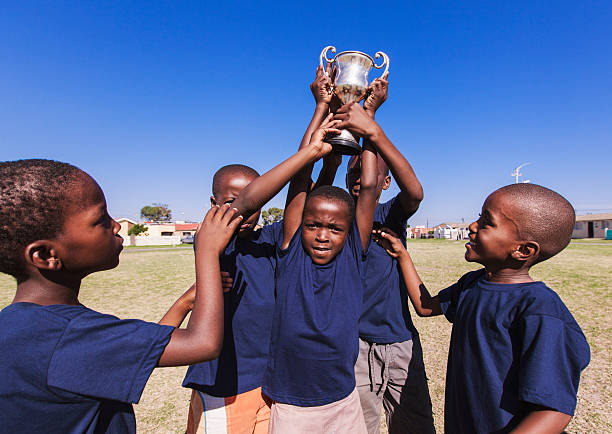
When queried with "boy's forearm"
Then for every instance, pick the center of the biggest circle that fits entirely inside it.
(543, 422)
(301, 182)
(265, 187)
(178, 311)
(411, 189)
(321, 110)
(203, 337)
(364, 212)
(424, 304)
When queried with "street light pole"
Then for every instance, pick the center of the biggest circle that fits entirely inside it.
(517, 172)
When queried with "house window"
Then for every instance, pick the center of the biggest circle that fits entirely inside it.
(166, 234)
(578, 226)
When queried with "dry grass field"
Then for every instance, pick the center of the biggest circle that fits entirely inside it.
(147, 282)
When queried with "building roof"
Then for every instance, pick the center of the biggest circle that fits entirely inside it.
(185, 226)
(125, 219)
(593, 217)
(453, 225)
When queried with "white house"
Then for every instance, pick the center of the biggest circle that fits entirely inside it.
(592, 225)
(452, 231)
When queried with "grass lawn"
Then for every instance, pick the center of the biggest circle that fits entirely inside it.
(146, 283)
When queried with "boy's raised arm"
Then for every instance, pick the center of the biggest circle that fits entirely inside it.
(411, 191)
(203, 337)
(424, 304)
(301, 182)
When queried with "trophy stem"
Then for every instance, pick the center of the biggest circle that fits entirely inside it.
(344, 143)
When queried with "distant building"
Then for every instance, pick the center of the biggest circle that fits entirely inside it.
(419, 232)
(163, 234)
(592, 225)
(185, 229)
(452, 231)
(126, 225)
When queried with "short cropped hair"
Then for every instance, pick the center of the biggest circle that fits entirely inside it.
(333, 194)
(545, 217)
(33, 199)
(225, 172)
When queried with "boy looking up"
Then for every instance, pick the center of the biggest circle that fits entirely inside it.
(67, 368)
(516, 352)
(389, 371)
(226, 393)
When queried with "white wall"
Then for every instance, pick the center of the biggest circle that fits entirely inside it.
(152, 240)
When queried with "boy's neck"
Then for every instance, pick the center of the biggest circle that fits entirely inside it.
(43, 291)
(509, 275)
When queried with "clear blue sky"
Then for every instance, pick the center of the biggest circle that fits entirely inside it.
(152, 97)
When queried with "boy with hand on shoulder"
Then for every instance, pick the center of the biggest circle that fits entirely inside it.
(516, 352)
(68, 368)
(227, 395)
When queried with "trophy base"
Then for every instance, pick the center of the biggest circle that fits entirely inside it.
(344, 146)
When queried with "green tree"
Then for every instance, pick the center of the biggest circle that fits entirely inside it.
(137, 229)
(271, 215)
(158, 212)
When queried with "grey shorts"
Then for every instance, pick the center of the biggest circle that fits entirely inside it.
(393, 376)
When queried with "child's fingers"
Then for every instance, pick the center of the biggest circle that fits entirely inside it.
(228, 216)
(385, 76)
(345, 108)
(332, 131)
(221, 212)
(319, 70)
(328, 68)
(210, 215)
(233, 225)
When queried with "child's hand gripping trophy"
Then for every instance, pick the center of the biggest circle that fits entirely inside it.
(322, 86)
(376, 94)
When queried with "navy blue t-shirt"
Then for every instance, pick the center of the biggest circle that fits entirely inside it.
(249, 307)
(69, 369)
(315, 338)
(511, 344)
(385, 317)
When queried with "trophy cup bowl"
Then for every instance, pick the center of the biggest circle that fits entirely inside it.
(350, 85)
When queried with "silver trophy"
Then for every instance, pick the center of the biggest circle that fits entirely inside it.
(350, 85)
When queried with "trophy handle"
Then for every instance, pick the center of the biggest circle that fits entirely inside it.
(385, 62)
(323, 56)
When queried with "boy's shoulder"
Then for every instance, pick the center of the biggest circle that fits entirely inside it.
(59, 313)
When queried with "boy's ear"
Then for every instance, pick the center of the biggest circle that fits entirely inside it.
(526, 251)
(387, 182)
(43, 255)
(213, 201)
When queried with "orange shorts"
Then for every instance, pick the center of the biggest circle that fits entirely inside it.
(246, 413)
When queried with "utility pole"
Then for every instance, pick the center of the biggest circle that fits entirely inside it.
(517, 173)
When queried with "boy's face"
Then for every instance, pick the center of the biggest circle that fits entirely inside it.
(353, 177)
(325, 226)
(496, 234)
(228, 190)
(89, 240)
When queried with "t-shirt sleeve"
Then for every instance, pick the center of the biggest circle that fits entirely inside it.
(391, 215)
(553, 353)
(104, 357)
(449, 297)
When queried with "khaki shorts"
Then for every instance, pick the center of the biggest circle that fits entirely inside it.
(339, 417)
